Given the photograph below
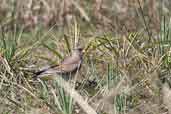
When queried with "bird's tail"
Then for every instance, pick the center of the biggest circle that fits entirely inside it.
(37, 74)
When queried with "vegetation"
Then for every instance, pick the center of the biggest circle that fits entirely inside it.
(127, 59)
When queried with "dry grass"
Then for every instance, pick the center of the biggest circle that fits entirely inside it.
(126, 68)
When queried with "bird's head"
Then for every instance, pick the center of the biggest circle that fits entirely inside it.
(78, 51)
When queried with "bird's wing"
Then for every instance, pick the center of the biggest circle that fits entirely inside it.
(71, 60)
(69, 64)
(67, 67)
(61, 69)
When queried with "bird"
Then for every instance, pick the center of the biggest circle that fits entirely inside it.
(67, 67)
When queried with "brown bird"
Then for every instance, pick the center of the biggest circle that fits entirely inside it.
(67, 67)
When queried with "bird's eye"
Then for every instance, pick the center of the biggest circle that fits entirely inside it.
(80, 49)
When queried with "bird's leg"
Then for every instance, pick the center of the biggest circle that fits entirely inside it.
(76, 82)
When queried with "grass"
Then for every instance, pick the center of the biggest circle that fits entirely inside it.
(121, 56)
(121, 74)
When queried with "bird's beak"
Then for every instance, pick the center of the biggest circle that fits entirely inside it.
(83, 51)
